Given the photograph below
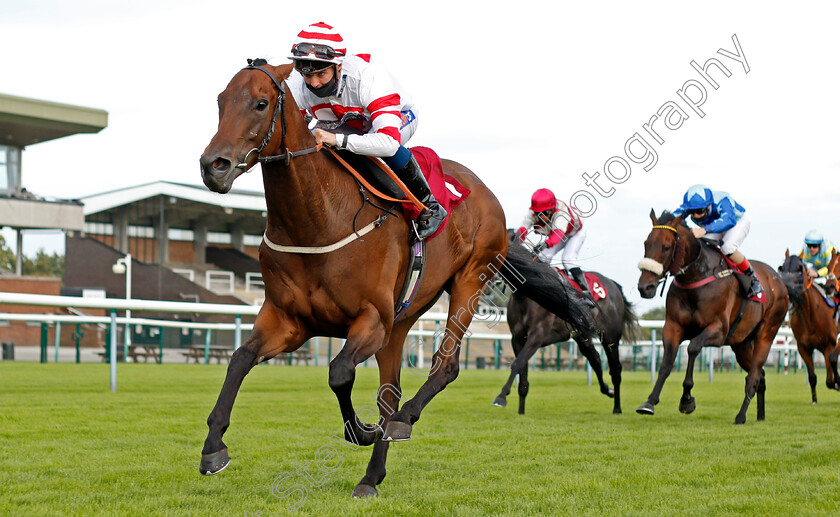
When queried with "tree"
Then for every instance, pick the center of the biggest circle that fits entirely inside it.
(653, 314)
(43, 264)
(7, 257)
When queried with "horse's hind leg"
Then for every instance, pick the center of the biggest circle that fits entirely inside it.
(519, 366)
(517, 341)
(831, 366)
(588, 350)
(759, 396)
(389, 360)
(808, 359)
(214, 455)
(611, 349)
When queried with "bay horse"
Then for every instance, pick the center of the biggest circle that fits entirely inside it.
(812, 321)
(706, 305)
(533, 327)
(350, 292)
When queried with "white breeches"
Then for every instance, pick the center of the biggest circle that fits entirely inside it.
(571, 250)
(733, 237)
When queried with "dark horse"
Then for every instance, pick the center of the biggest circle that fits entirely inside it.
(350, 292)
(812, 321)
(715, 313)
(532, 327)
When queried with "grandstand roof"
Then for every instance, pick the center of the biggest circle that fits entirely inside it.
(26, 121)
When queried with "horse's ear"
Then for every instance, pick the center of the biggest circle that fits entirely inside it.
(653, 216)
(284, 71)
(787, 253)
(678, 221)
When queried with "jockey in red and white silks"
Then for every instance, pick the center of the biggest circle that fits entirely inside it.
(332, 84)
(563, 227)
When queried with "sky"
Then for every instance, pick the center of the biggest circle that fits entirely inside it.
(528, 97)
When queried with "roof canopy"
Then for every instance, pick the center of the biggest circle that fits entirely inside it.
(25, 121)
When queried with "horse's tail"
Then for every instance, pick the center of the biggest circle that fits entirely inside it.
(539, 282)
(632, 332)
(796, 291)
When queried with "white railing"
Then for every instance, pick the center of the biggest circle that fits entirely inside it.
(225, 278)
(254, 281)
(783, 343)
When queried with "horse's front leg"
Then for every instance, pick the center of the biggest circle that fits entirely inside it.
(519, 367)
(711, 336)
(388, 398)
(671, 338)
(365, 336)
(258, 347)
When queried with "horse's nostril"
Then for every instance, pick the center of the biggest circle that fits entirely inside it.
(221, 164)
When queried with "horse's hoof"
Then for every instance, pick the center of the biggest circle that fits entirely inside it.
(609, 392)
(617, 411)
(740, 420)
(500, 402)
(397, 432)
(688, 407)
(214, 463)
(364, 491)
(645, 409)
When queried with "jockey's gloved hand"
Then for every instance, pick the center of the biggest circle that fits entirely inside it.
(539, 248)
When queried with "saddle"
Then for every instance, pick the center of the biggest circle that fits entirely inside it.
(596, 288)
(744, 280)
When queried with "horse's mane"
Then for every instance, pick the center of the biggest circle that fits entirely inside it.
(794, 283)
(666, 217)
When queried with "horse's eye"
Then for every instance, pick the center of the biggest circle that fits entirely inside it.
(667, 248)
(262, 105)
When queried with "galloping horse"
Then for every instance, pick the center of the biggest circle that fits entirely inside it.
(321, 280)
(812, 321)
(706, 306)
(532, 327)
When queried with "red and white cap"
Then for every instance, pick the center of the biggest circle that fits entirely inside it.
(320, 35)
(542, 200)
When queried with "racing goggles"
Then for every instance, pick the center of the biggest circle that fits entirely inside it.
(320, 51)
(698, 211)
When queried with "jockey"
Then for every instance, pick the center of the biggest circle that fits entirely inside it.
(816, 253)
(562, 225)
(718, 216)
(332, 84)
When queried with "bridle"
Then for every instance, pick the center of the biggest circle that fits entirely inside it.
(279, 110)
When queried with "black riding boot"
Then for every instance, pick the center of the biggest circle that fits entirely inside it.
(579, 277)
(755, 286)
(430, 219)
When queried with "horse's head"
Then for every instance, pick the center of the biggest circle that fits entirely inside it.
(664, 251)
(792, 264)
(253, 103)
(832, 281)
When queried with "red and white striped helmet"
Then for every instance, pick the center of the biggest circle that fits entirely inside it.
(319, 42)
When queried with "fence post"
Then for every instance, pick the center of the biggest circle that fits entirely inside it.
(467, 354)
(237, 336)
(113, 348)
(497, 349)
(207, 335)
(160, 330)
(557, 366)
(77, 336)
(711, 365)
(57, 338)
(653, 355)
(44, 331)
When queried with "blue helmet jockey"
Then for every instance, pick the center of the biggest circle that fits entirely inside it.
(814, 238)
(697, 197)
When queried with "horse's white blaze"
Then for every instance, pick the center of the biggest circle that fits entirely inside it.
(648, 264)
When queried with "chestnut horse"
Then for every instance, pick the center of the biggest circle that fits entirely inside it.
(715, 313)
(533, 327)
(812, 321)
(348, 290)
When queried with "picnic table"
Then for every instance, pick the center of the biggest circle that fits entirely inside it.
(218, 352)
(134, 352)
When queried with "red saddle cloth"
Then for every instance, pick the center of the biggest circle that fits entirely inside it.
(599, 292)
(446, 189)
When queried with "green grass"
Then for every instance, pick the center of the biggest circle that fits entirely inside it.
(69, 446)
